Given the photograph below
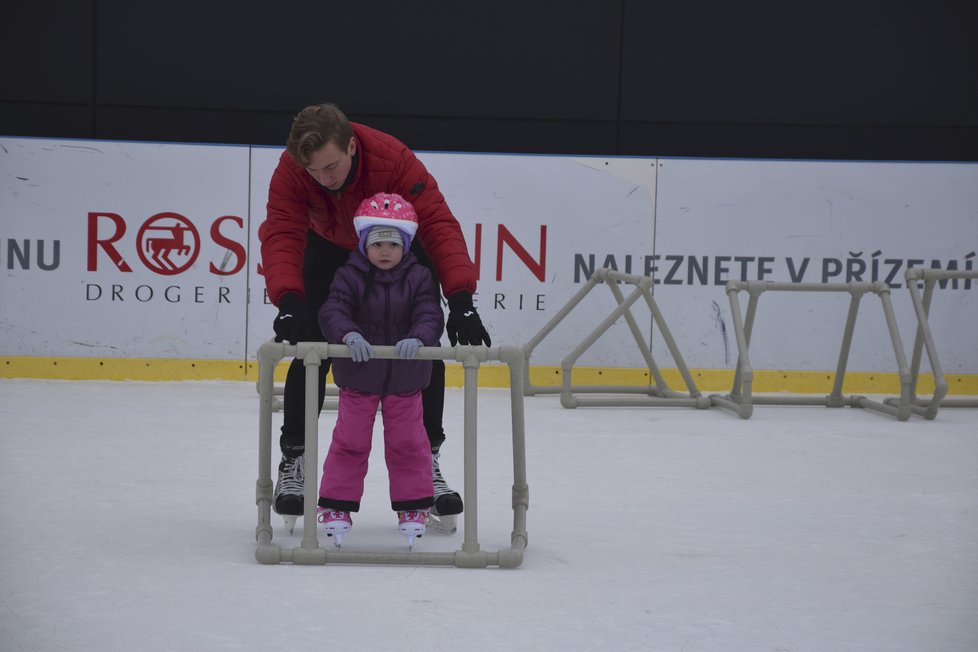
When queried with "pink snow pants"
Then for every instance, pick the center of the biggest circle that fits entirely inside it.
(406, 450)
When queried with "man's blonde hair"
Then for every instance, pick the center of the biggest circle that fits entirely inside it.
(314, 128)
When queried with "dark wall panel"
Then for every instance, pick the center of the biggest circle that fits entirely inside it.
(46, 51)
(42, 120)
(515, 136)
(833, 62)
(833, 79)
(506, 59)
(800, 141)
(446, 134)
(190, 125)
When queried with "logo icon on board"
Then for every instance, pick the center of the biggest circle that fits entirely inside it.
(168, 243)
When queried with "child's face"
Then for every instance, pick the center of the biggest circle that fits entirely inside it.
(385, 255)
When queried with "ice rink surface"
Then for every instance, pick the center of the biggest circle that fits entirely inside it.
(129, 524)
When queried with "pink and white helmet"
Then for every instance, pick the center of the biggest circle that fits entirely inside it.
(386, 209)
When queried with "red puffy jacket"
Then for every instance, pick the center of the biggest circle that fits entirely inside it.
(297, 203)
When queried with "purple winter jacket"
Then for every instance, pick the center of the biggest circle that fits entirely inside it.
(401, 302)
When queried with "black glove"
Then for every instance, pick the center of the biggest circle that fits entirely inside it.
(290, 323)
(464, 325)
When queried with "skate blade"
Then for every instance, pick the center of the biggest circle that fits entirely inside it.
(290, 522)
(337, 538)
(447, 524)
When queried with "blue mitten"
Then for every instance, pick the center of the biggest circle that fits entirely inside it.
(408, 348)
(360, 349)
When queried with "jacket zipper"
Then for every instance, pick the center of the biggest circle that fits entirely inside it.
(387, 334)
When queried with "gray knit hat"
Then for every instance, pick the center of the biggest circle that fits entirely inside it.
(383, 234)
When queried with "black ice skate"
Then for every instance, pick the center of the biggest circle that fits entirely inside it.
(288, 497)
(448, 504)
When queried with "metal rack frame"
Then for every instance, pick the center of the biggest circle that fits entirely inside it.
(740, 400)
(924, 339)
(657, 393)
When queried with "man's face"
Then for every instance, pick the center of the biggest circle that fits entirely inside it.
(329, 165)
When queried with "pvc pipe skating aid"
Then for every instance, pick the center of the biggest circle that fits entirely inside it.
(309, 552)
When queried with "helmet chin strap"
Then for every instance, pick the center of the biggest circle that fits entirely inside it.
(349, 177)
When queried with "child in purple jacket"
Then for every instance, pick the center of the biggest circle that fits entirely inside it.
(381, 296)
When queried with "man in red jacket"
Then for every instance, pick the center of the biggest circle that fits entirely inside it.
(330, 165)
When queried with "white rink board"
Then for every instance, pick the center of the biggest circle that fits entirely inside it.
(61, 193)
(855, 217)
(638, 215)
(586, 205)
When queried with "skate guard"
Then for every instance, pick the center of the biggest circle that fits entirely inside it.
(446, 524)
